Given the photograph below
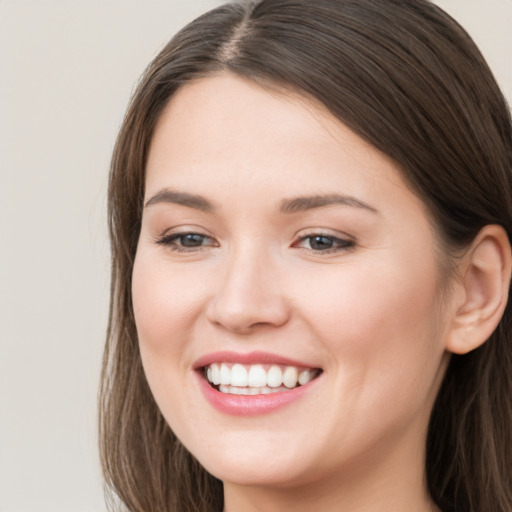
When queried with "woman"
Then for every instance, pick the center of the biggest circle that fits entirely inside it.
(310, 213)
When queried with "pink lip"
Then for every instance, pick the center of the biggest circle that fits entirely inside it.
(247, 405)
(249, 358)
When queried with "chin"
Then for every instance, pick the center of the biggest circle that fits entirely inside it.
(268, 473)
(260, 463)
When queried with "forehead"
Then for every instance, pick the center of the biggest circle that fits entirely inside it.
(226, 111)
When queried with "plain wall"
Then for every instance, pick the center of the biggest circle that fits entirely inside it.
(67, 68)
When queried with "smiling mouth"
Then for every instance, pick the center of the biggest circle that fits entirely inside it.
(257, 379)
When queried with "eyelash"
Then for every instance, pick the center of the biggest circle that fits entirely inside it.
(170, 241)
(339, 244)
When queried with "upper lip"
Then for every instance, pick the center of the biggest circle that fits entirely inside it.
(247, 358)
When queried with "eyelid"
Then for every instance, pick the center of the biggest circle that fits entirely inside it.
(183, 229)
(343, 241)
(327, 232)
(168, 238)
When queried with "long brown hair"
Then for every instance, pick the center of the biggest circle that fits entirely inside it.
(408, 79)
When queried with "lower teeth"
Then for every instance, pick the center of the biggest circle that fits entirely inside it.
(234, 390)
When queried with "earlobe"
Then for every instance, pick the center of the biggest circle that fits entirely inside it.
(484, 285)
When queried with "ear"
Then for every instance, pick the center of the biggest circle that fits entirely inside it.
(482, 290)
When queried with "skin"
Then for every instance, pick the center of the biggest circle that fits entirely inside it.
(372, 311)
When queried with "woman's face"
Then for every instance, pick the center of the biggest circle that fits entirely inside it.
(277, 244)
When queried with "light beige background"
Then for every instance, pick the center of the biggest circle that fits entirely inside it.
(67, 68)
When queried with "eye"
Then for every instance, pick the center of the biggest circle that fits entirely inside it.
(323, 243)
(186, 242)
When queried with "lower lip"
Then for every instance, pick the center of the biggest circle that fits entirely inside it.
(251, 405)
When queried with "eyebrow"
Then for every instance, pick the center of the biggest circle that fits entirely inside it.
(300, 204)
(287, 206)
(182, 198)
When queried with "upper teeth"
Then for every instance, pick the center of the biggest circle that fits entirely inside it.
(257, 375)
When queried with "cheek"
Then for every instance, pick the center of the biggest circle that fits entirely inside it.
(166, 305)
(382, 328)
(165, 302)
(386, 357)
(354, 301)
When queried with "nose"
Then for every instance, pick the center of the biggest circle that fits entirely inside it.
(248, 295)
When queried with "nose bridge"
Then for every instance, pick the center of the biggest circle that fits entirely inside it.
(248, 291)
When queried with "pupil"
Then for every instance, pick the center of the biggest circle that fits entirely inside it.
(321, 242)
(191, 240)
